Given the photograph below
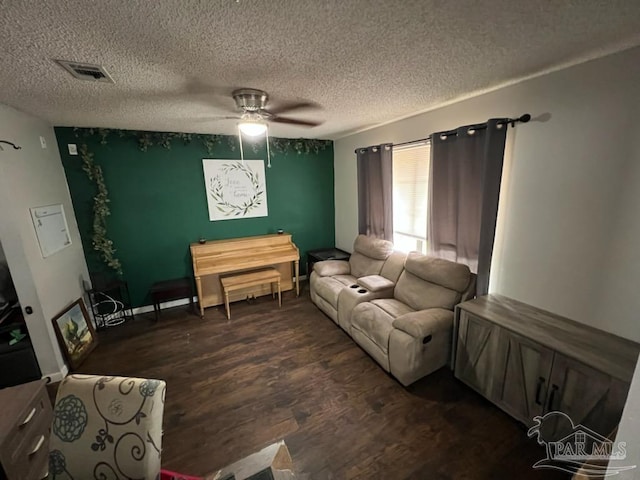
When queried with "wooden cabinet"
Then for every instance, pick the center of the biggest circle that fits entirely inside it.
(475, 355)
(24, 431)
(590, 397)
(530, 362)
(525, 366)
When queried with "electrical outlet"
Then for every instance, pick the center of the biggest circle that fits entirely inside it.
(43, 142)
(73, 149)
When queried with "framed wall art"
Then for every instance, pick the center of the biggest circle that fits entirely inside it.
(75, 333)
(235, 189)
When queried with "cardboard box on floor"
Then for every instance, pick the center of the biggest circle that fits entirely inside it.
(270, 463)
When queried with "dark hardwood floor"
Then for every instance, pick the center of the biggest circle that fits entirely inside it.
(234, 387)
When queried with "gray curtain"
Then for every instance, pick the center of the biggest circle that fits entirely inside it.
(375, 208)
(464, 188)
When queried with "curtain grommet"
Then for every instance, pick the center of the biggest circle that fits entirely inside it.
(443, 136)
(471, 131)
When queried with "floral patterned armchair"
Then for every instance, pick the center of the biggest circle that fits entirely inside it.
(106, 427)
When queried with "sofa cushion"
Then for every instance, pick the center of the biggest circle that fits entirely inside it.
(375, 283)
(346, 280)
(361, 265)
(392, 307)
(374, 323)
(425, 322)
(451, 275)
(328, 268)
(421, 295)
(368, 255)
(371, 247)
(328, 288)
(393, 266)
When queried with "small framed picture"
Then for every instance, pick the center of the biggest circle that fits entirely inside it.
(75, 333)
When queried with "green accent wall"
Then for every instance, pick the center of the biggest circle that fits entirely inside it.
(159, 206)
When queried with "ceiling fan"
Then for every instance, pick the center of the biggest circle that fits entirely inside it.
(253, 105)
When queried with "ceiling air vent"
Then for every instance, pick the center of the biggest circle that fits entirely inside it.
(86, 71)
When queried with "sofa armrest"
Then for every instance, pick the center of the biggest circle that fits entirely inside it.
(423, 323)
(329, 268)
(376, 283)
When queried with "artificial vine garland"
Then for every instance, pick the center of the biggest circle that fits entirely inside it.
(164, 139)
(101, 211)
(101, 242)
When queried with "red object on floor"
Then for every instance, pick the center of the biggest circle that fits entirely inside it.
(169, 475)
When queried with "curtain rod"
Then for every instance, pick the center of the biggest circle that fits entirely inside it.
(507, 121)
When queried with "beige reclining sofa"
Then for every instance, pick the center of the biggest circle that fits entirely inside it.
(398, 308)
(371, 272)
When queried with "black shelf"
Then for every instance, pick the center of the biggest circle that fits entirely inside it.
(9, 311)
(110, 301)
(18, 363)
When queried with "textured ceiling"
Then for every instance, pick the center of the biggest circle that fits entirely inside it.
(364, 62)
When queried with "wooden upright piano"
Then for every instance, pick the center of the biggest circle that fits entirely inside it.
(214, 258)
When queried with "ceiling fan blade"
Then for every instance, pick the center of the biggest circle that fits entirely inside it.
(291, 106)
(204, 93)
(295, 121)
(213, 118)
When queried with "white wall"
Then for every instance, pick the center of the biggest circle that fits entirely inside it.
(619, 301)
(569, 179)
(629, 431)
(33, 177)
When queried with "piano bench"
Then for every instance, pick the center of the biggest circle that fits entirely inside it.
(250, 279)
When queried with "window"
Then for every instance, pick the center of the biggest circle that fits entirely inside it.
(410, 182)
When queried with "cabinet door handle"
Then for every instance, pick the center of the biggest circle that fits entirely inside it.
(539, 390)
(554, 389)
(38, 445)
(29, 417)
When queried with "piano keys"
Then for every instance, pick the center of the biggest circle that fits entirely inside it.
(217, 257)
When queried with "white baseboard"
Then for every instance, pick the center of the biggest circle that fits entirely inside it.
(176, 303)
(172, 303)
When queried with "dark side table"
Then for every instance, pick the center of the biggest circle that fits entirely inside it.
(171, 290)
(322, 254)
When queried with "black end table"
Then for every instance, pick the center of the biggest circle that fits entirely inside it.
(171, 290)
(322, 254)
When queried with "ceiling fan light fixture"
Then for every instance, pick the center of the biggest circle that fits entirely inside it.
(252, 128)
(252, 124)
